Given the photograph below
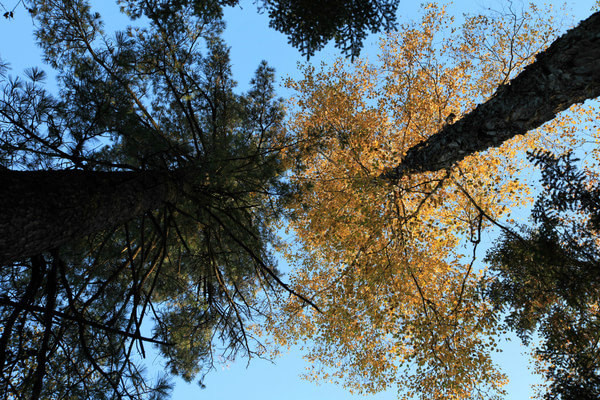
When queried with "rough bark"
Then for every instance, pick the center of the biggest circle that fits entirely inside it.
(566, 73)
(42, 210)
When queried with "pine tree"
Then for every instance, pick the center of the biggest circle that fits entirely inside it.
(546, 279)
(147, 188)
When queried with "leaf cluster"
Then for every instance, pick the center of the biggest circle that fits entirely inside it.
(311, 24)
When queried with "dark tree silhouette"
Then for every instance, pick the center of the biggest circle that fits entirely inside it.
(547, 279)
(147, 188)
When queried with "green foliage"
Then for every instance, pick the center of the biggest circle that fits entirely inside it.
(154, 98)
(548, 279)
(311, 24)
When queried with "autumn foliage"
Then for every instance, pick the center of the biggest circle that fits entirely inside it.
(391, 264)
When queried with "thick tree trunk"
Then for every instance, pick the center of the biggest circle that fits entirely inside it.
(41, 210)
(566, 73)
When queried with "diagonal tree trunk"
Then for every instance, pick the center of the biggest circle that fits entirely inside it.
(41, 210)
(566, 73)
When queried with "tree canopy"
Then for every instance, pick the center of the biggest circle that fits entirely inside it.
(140, 204)
(391, 264)
(148, 188)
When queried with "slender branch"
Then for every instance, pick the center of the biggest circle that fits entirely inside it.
(42, 357)
(77, 318)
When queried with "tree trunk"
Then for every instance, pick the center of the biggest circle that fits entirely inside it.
(566, 73)
(41, 210)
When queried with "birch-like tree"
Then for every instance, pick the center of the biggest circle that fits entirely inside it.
(392, 263)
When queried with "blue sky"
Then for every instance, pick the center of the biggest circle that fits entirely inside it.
(252, 41)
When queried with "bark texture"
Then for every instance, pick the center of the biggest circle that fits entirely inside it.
(41, 210)
(566, 73)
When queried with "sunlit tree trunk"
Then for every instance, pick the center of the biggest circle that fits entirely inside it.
(41, 210)
(566, 73)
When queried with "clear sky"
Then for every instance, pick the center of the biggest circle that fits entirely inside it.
(252, 41)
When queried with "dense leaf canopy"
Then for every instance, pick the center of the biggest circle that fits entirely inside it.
(392, 264)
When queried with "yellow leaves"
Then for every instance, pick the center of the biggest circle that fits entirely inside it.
(401, 303)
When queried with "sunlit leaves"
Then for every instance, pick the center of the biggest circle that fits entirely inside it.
(391, 265)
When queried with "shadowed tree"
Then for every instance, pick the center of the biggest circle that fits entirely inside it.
(547, 279)
(146, 190)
